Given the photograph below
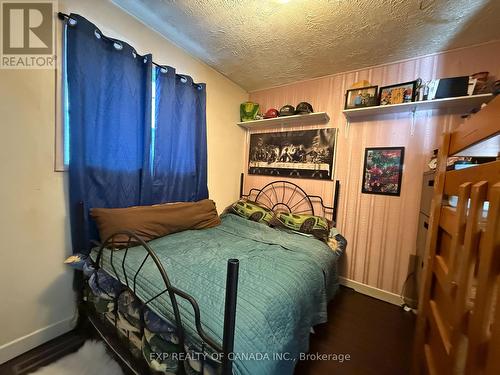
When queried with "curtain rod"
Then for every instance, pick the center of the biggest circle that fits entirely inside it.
(63, 16)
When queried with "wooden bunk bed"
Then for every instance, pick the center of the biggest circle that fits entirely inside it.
(458, 325)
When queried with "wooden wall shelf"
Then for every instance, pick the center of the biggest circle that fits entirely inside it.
(455, 105)
(315, 118)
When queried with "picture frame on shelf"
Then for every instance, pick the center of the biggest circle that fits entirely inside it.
(361, 97)
(398, 94)
(383, 170)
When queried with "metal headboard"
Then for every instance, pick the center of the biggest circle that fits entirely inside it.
(285, 196)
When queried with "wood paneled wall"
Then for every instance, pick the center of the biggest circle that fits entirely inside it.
(381, 230)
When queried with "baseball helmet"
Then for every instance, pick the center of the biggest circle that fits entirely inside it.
(271, 113)
(287, 110)
(304, 107)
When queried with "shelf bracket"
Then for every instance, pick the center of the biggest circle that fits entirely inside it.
(413, 120)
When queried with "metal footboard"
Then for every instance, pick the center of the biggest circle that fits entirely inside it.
(226, 347)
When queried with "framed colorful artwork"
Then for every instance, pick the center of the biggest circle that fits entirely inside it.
(383, 170)
(397, 94)
(362, 97)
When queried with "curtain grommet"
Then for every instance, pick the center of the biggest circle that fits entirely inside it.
(97, 34)
(145, 60)
(164, 70)
(134, 54)
(183, 79)
(72, 21)
(118, 46)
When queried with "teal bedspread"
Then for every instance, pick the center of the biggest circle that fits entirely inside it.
(285, 283)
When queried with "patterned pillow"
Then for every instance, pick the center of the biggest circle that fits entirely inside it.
(252, 211)
(336, 241)
(318, 226)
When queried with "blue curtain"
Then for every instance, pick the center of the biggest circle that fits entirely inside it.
(119, 157)
(109, 108)
(179, 165)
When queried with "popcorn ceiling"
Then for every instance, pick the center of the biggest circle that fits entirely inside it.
(260, 44)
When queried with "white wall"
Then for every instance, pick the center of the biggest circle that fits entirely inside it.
(36, 298)
(35, 287)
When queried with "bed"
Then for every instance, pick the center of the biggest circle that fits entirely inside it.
(458, 324)
(285, 282)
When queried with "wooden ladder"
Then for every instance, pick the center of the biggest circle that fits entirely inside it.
(458, 326)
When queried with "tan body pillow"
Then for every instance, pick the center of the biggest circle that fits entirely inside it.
(150, 222)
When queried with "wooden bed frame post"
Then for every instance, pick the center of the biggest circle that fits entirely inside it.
(230, 315)
(458, 319)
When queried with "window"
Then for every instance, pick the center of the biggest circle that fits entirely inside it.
(62, 117)
(153, 119)
(62, 146)
(61, 108)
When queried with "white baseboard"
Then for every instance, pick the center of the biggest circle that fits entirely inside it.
(371, 291)
(32, 340)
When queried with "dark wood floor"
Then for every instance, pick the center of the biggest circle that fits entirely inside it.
(376, 335)
(44, 354)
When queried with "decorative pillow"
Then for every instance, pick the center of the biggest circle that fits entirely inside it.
(76, 261)
(252, 211)
(336, 241)
(318, 226)
(150, 222)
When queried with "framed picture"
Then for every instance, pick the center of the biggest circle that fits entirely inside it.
(383, 170)
(362, 97)
(397, 94)
(299, 154)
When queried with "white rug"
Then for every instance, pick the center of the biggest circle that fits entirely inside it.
(90, 359)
